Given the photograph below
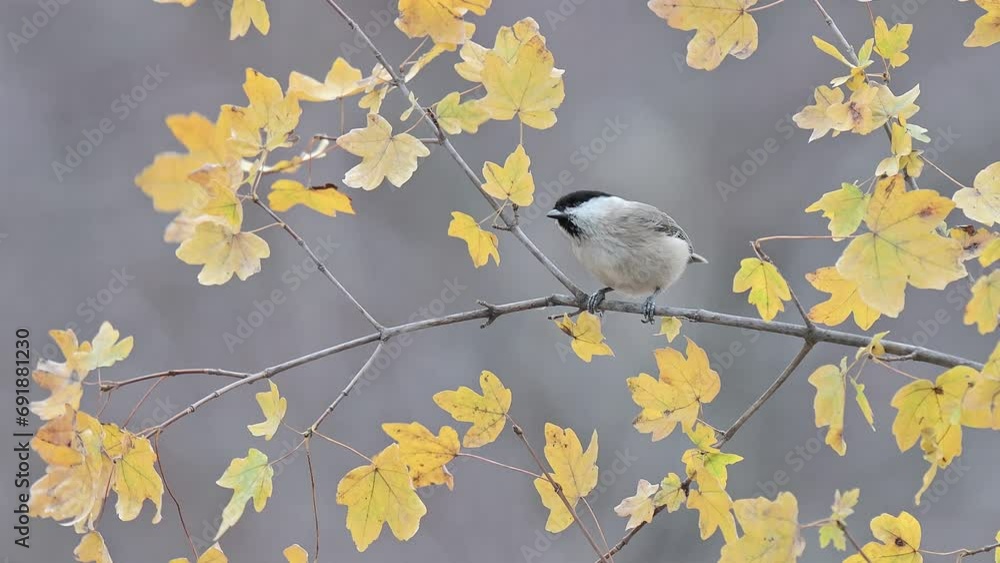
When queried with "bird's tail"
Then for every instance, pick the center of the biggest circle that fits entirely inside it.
(697, 259)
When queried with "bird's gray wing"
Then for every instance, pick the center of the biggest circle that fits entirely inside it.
(661, 222)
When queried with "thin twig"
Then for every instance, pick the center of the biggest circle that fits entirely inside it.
(347, 390)
(499, 464)
(145, 396)
(597, 523)
(857, 547)
(312, 485)
(341, 444)
(112, 385)
(166, 486)
(558, 489)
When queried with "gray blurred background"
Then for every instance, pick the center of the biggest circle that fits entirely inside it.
(681, 132)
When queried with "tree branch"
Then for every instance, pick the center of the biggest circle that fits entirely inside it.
(346, 391)
(431, 119)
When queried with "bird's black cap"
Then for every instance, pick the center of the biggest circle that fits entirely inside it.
(577, 198)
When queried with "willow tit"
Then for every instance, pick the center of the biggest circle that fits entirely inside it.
(630, 247)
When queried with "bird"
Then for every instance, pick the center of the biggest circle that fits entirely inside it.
(630, 247)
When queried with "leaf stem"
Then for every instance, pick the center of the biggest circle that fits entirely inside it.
(499, 464)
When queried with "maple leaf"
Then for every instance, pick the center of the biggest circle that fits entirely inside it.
(975, 241)
(482, 244)
(92, 549)
(982, 201)
(725, 27)
(705, 458)
(66, 388)
(684, 385)
(981, 407)
(134, 476)
(843, 506)
(73, 488)
(245, 12)
(383, 155)
(925, 404)
(508, 40)
(218, 200)
(770, 531)
(524, 87)
(639, 508)
(940, 444)
(439, 19)
(863, 405)
(856, 79)
(987, 28)
(890, 43)
(899, 537)
(573, 469)
(588, 340)
(904, 157)
(714, 508)
(211, 555)
(105, 349)
(223, 252)
(829, 403)
(845, 208)
(902, 247)
(273, 405)
(342, 81)
(984, 306)
(270, 109)
(425, 453)
(991, 253)
(326, 199)
(250, 478)
(768, 289)
(669, 327)
(380, 493)
(671, 494)
(456, 116)
(844, 300)
(296, 554)
(55, 441)
(167, 181)
(817, 116)
(486, 412)
(512, 181)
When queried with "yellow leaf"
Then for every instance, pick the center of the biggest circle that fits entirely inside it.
(724, 27)
(106, 349)
(511, 181)
(486, 412)
(770, 531)
(425, 453)
(342, 81)
(250, 478)
(684, 385)
(923, 404)
(844, 300)
(588, 340)
(223, 253)
(767, 288)
(92, 549)
(991, 253)
(639, 508)
(482, 244)
(987, 29)
(890, 43)
(380, 493)
(845, 208)
(817, 116)
(524, 87)
(273, 405)
(862, 399)
(455, 116)
(902, 247)
(981, 408)
(269, 109)
(212, 555)
(167, 181)
(382, 154)
(245, 12)
(982, 201)
(843, 506)
(671, 493)
(829, 404)
(573, 469)
(984, 307)
(900, 537)
(714, 508)
(940, 445)
(66, 388)
(508, 40)
(857, 114)
(975, 241)
(296, 554)
(218, 200)
(705, 459)
(55, 442)
(326, 199)
(830, 50)
(440, 19)
(135, 477)
(669, 327)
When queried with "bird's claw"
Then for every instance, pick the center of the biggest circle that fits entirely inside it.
(594, 301)
(648, 311)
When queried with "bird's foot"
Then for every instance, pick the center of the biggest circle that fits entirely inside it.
(649, 310)
(595, 300)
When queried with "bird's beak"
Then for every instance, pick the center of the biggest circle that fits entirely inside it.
(556, 214)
